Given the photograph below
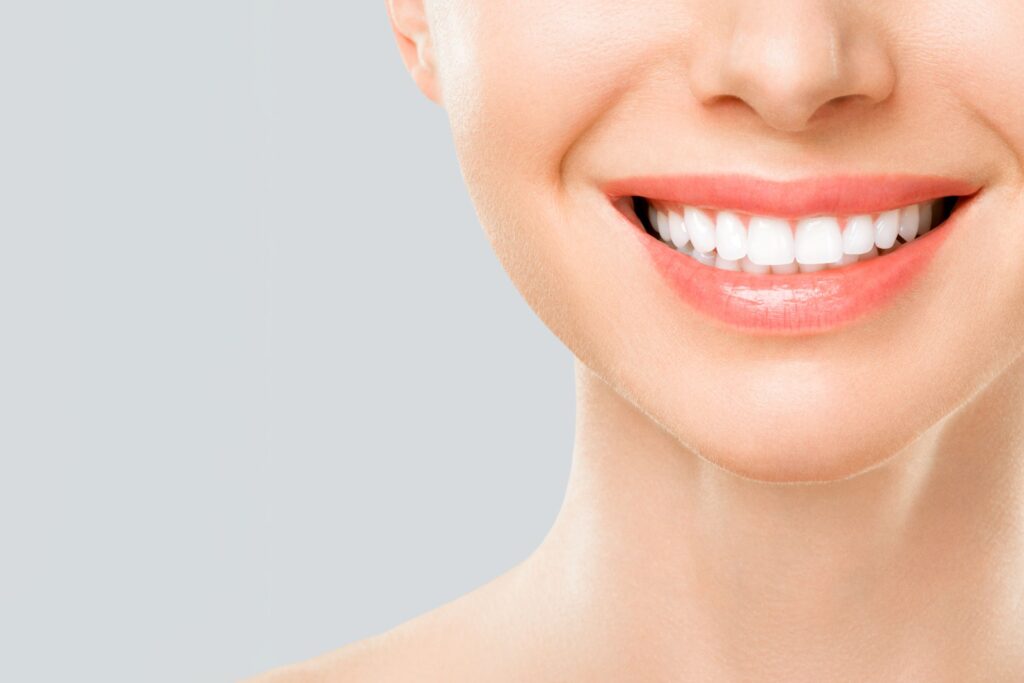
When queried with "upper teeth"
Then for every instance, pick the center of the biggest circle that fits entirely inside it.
(761, 243)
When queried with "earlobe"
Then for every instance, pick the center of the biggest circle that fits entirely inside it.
(412, 32)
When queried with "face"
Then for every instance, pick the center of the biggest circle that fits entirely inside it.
(572, 118)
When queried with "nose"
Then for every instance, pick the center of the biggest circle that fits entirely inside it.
(792, 62)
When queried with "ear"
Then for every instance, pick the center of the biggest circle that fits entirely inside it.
(412, 31)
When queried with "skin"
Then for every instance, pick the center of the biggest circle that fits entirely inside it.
(836, 506)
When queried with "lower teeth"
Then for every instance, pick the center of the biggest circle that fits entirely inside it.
(712, 258)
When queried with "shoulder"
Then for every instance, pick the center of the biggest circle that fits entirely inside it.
(459, 641)
(422, 650)
(364, 660)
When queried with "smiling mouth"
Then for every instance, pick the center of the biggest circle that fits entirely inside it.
(737, 241)
(733, 247)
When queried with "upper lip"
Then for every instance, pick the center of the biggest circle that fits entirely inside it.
(839, 195)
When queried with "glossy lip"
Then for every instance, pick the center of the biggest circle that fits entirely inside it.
(798, 303)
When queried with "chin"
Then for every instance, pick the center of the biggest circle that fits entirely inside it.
(780, 422)
(791, 454)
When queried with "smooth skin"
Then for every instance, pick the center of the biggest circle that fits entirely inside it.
(844, 506)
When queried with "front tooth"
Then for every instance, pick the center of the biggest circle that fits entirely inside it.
(770, 241)
(730, 236)
(924, 222)
(700, 228)
(858, 235)
(818, 241)
(811, 267)
(677, 230)
(887, 227)
(786, 268)
(726, 264)
(662, 226)
(748, 266)
(868, 256)
(909, 218)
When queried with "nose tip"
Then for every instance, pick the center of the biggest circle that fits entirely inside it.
(793, 67)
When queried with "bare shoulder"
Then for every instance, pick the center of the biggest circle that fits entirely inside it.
(463, 640)
(435, 646)
(364, 660)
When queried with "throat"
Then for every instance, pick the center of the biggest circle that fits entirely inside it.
(660, 547)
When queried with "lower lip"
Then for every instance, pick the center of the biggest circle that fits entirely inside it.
(797, 303)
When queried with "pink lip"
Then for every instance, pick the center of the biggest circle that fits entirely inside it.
(801, 302)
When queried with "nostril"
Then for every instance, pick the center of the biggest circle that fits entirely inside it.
(791, 65)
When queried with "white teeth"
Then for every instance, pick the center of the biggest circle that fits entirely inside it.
(662, 226)
(925, 220)
(730, 236)
(846, 260)
(818, 241)
(786, 268)
(771, 245)
(910, 217)
(704, 257)
(770, 241)
(859, 235)
(726, 264)
(887, 227)
(748, 266)
(677, 230)
(700, 228)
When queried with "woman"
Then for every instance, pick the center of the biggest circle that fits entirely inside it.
(784, 241)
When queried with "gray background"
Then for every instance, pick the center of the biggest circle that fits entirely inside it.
(264, 389)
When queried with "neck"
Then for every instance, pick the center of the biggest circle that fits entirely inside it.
(679, 570)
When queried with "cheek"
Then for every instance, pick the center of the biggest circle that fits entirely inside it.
(524, 80)
(981, 67)
(523, 84)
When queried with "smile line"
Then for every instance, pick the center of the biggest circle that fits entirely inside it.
(785, 301)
